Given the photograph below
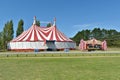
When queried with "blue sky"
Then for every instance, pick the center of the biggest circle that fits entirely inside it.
(71, 15)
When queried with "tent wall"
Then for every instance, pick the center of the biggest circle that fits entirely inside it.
(26, 45)
(39, 45)
(63, 45)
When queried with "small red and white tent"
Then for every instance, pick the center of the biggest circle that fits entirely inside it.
(92, 44)
(41, 38)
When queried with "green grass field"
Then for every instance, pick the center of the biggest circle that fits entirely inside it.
(60, 68)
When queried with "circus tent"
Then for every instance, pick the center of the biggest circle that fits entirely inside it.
(41, 38)
(93, 44)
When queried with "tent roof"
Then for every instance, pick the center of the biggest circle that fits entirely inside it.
(37, 33)
(93, 41)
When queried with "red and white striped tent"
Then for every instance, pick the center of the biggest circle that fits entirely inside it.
(92, 44)
(41, 38)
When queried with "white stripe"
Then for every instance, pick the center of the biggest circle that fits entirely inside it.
(45, 30)
(54, 37)
(28, 35)
(59, 37)
(22, 36)
(38, 35)
(48, 38)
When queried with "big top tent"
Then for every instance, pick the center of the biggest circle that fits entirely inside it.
(41, 38)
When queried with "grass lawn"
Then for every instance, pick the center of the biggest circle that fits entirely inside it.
(39, 68)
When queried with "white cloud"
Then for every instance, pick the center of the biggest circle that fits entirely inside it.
(83, 25)
(86, 26)
(45, 22)
(95, 25)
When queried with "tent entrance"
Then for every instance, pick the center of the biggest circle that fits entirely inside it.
(50, 45)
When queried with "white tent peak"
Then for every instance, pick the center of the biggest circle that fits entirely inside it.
(54, 24)
(34, 22)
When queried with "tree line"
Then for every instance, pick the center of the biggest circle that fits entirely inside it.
(111, 36)
(7, 34)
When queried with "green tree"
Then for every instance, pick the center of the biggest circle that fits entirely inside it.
(104, 33)
(8, 33)
(1, 40)
(37, 22)
(49, 25)
(20, 28)
(87, 34)
(97, 33)
(112, 32)
(10, 30)
(78, 37)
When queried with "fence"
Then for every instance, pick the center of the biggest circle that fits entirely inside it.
(58, 54)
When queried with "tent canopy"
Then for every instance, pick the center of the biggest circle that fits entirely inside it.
(37, 33)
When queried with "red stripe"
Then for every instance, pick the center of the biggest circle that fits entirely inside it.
(47, 34)
(56, 34)
(28, 39)
(41, 36)
(61, 36)
(51, 37)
